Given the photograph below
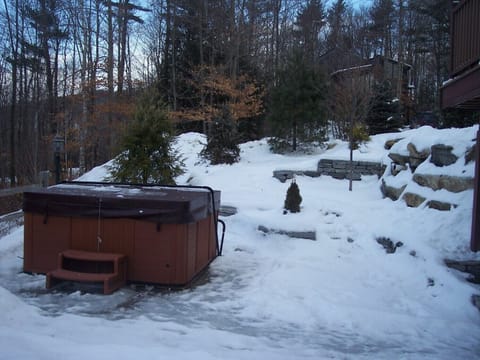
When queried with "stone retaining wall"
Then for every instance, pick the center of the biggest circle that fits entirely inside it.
(340, 169)
(439, 155)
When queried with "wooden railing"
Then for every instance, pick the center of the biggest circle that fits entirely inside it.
(11, 198)
(17, 190)
(465, 30)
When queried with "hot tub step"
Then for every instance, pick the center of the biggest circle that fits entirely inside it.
(85, 266)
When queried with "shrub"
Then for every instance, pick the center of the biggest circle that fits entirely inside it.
(222, 143)
(148, 155)
(293, 198)
(359, 136)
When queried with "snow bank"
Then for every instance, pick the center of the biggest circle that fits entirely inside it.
(270, 296)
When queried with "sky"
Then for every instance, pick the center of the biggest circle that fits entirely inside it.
(355, 3)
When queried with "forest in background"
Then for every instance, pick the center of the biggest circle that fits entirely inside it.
(72, 70)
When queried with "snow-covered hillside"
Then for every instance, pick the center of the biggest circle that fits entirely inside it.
(270, 296)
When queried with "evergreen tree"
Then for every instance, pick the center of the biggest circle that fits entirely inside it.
(459, 118)
(148, 156)
(222, 145)
(384, 115)
(336, 18)
(383, 16)
(293, 198)
(297, 105)
(310, 22)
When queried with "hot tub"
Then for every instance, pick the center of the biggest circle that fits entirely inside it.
(167, 234)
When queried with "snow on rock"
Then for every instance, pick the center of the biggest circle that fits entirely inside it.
(424, 181)
(424, 137)
(270, 296)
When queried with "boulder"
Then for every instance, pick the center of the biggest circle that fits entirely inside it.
(397, 168)
(226, 210)
(453, 184)
(389, 143)
(442, 155)
(309, 235)
(416, 157)
(391, 192)
(471, 267)
(399, 159)
(413, 200)
(470, 155)
(439, 205)
(284, 175)
(476, 301)
(431, 181)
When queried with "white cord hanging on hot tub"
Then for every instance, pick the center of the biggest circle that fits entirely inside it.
(99, 239)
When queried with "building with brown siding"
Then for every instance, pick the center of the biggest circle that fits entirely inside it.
(462, 90)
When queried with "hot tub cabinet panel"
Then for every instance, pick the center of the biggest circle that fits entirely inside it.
(41, 256)
(162, 245)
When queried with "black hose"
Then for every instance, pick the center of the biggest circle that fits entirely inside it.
(223, 236)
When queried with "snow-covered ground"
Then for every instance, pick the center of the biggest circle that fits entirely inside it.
(270, 296)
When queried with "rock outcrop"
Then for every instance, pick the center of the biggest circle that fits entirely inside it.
(413, 200)
(453, 184)
(392, 192)
(416, 157)
(441, 156)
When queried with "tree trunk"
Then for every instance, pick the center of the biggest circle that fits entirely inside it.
(276, 38)
(174, 59)
(122, 44)
(14, 40)
(400, 53)
(294, 135)
(110, 84)
(86, 40)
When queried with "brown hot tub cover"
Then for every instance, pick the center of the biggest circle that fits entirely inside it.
(160, 204)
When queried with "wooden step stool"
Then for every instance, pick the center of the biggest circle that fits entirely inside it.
(85, 266)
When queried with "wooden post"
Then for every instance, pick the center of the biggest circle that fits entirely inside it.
(475, 236)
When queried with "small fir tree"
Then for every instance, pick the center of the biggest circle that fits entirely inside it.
(148, 155)
(293, 199)
(222, 143)
(384, 115)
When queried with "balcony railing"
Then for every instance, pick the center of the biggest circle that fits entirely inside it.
(465, 27)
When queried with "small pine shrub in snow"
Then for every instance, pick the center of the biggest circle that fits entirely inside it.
(148, 156)
(293, 199)
(222, 143)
